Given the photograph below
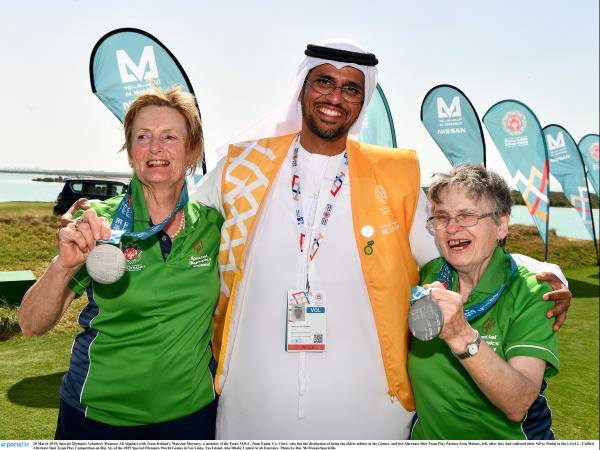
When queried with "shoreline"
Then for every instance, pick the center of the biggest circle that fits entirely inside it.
(552, 230)
(71, 173)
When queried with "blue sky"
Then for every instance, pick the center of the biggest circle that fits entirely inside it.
(241, 56)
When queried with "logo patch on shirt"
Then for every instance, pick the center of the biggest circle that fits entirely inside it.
(200, 261)
(490, 339)
(489, 324)
(133, 255)
(198, 246)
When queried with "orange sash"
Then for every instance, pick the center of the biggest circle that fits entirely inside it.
(384, 190)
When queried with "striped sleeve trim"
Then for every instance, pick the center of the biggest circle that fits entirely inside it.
(79, 284)
(537, 347)
(83, 286)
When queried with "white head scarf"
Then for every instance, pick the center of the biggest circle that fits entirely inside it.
(288, 119)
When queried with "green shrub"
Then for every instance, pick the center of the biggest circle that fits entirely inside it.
(9, 324)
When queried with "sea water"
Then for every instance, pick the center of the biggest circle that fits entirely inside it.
(20, 187)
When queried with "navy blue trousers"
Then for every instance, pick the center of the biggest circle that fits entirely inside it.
(73, 425)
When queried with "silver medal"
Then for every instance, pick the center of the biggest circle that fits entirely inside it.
(106, 264)
(425, 319)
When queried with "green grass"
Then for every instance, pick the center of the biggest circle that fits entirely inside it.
(573, 393)
(25, 208)
(28, 233)
(8, 320)
(30, 375)
(28, 242)
(567, 253)
(31, 368)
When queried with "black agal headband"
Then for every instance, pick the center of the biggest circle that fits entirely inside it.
(334, 54)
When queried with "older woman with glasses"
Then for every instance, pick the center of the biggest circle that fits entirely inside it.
(483, 376)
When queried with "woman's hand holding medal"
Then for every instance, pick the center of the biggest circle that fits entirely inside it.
(455, 330)
(78, 238)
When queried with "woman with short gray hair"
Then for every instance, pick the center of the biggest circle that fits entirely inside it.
(483, 376)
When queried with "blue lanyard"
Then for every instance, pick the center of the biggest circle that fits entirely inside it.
(474, 311)
(122, 222)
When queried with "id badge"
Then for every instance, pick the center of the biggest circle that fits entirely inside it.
(306, 321)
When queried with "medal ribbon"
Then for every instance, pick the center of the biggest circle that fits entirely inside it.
(122, 222)
(296, 196)
(474, 311)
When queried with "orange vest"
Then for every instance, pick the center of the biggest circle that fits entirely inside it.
(384, 190)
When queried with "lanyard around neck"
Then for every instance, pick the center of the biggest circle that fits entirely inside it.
(122, 222)
(328, 210)
(474, 311)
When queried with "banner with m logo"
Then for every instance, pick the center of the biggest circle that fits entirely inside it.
(454, 125)
(566, 165)
(126, 61)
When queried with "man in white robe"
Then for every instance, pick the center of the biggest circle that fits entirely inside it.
(341, 393)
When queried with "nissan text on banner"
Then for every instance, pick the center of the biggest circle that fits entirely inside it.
(518, 136)
(454, 125)
(378, 126)
(590, 152)
(566, 165)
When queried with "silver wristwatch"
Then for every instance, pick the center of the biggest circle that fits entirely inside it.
(472, 348)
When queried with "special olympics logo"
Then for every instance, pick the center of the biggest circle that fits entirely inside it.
(514, 122)
(132, 253)
(595, 151)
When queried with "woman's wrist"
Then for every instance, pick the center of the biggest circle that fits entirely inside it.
(58, 266)
(458, 343)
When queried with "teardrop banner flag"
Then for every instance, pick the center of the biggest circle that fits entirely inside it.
(378, 125)
(125, 62)
(518, 136)
(566, 165)
(454, 125)
(590, 152)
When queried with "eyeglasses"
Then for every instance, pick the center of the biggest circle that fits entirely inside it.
(350, 93)
(464, 220)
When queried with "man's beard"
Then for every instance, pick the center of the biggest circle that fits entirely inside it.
(329, 134)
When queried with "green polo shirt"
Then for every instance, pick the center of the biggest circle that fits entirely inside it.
(143, 355)
(449, 403)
